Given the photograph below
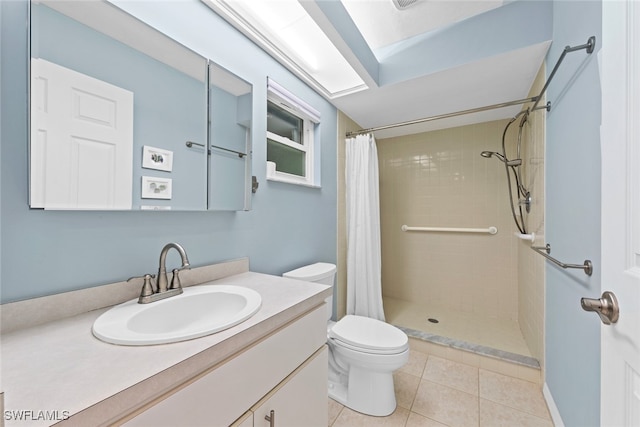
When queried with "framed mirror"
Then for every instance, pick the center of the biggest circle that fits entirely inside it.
(230, 113)
(118, 112)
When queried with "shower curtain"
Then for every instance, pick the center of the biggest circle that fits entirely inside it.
(364, 264)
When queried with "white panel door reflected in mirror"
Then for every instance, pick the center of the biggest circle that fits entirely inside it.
(81, 140)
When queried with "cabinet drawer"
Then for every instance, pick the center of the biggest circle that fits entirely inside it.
(227, 391)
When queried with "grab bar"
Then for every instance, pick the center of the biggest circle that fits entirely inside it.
(587, 266)
(239, 153)
(191, 144)
(490, 230)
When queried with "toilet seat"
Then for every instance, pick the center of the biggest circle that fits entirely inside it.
(363, 351)
(368, 335)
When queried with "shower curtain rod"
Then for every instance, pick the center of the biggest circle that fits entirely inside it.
(444, 116)
(589, 46)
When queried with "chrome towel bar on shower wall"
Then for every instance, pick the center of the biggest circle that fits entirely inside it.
(490, 230)
(546, 250)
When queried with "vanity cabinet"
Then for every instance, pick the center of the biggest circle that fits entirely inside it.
(285, 372)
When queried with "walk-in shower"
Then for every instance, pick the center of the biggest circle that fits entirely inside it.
(430, 180)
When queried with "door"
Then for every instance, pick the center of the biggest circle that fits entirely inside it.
(620, 141)
(81, 140)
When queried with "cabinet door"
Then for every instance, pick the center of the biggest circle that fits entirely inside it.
(230, 113)
(228, 180)
(301, 400)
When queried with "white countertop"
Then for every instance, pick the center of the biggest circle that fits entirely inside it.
(60, 366)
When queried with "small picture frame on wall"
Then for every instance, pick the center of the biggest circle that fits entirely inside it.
(157, 158)
(156, 188)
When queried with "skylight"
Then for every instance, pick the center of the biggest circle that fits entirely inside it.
(286, 31)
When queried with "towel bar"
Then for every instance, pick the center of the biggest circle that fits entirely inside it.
(490, 230)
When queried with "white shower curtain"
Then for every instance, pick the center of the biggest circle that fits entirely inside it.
(364, 263)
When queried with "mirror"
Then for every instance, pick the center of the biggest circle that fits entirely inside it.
(230, 112)
(118, 113)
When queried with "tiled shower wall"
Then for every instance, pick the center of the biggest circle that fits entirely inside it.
(439, 179)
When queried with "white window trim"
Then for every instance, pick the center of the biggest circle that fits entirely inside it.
(295, 104)
(311, 118)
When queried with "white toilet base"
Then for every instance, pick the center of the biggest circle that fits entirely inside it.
(364, 382)
(369, 393)
(338, 392)
(361, 365)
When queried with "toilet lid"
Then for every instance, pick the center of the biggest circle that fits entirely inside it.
(366, 333)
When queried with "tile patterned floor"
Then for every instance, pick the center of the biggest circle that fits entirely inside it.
(501, 334)
(436, 392)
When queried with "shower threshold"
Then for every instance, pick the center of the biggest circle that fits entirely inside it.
(496, 338)
(482, 350)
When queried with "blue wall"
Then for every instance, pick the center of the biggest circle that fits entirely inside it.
(573, 215)
(47, 252)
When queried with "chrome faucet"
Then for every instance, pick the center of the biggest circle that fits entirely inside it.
(163, 290)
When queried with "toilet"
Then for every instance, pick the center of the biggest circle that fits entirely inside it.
(363, 353)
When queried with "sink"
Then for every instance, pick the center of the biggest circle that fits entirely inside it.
(198, 311)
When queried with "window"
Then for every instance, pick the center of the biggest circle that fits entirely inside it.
(291, 129)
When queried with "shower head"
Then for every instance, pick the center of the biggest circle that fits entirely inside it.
(489, 154)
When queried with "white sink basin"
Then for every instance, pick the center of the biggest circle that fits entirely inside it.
(198, 311)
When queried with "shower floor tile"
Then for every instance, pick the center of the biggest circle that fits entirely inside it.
(500, 334)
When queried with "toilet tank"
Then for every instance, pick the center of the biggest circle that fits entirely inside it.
(320, 272)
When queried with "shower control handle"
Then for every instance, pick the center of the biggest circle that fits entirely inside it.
(526, 202)
(606, 307)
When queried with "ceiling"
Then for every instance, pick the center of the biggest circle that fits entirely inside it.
(420, 17)
(432, 58)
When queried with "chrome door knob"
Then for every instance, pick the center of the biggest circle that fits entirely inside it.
(606, 307)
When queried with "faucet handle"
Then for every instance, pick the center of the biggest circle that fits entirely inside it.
(147, 287)
(175, 280)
